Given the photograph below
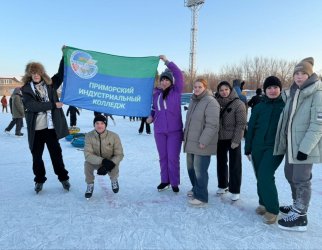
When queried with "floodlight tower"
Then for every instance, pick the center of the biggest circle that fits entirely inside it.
(194, 6)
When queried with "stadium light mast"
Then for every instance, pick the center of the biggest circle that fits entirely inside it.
(194, 6)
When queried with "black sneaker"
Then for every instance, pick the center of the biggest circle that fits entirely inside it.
(115, 186)
(38, 187)
(89, 190)
(175, 189)
(66, 185)
(295, 221)
(285, 209)
(163, 186)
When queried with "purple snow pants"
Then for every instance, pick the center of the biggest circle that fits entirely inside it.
(169, 147)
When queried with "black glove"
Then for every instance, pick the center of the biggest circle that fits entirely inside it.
(108, 164)
(301, 156)
(102, 171)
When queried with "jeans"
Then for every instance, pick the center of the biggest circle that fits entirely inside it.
(197, 166)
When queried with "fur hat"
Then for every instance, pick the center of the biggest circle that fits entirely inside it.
(35, 67)
(272, 81)
(306, 66)
(167, 74)
(100, 118)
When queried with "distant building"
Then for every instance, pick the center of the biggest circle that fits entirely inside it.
(7, 85)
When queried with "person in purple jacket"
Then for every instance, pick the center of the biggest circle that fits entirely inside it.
(168, 132)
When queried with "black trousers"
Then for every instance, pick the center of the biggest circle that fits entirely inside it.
(147, 126)
(48, 137)
(231, 178)
(72, 120)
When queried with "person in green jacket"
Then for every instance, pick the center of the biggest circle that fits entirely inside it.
(259, 146)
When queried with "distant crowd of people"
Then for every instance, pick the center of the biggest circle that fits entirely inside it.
(282, 123)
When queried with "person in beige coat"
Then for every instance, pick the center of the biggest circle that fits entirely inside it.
(103, 152)
(200, 140)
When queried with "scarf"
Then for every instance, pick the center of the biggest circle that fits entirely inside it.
(40, 91)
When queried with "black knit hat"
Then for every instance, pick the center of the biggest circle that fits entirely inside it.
(272, 81)
(167, 74)
(100, 118)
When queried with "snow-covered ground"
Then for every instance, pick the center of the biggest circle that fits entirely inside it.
(138, 217)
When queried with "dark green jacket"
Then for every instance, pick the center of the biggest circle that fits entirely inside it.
(262, 125)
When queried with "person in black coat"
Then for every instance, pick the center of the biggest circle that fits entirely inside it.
(73, 111)
(46, 122)
(256, 98)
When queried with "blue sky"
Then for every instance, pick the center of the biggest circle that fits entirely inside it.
(228, 31)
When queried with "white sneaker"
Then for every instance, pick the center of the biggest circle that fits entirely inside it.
(196, 202)
(190, 193)
(222, 190)
(234, 197)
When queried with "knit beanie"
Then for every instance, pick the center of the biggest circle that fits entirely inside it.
(272, 81)
(306, 66)
(167, 74)
(100, 118)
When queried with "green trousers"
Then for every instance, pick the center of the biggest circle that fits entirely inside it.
(265, 165)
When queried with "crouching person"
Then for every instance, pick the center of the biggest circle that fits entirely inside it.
(103, 152)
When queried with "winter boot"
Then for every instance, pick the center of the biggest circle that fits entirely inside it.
(66, 185)
(261, 210)
(163, 186)
(295, 221)
(89, 190)
(38, 187)
(115, 186)
(269, 218)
